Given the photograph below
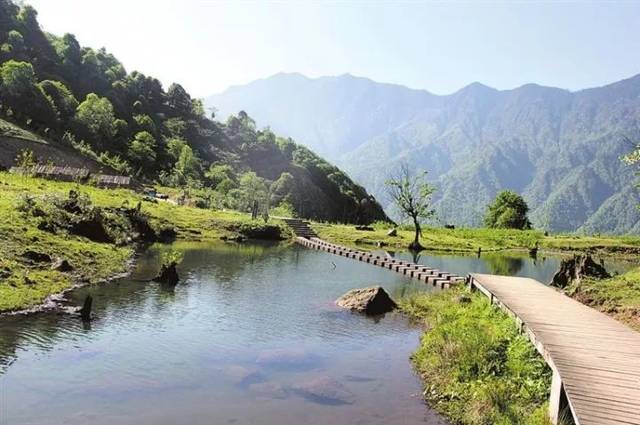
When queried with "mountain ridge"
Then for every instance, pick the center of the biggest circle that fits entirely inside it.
(549, 143)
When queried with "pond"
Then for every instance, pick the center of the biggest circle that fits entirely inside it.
(251, 336)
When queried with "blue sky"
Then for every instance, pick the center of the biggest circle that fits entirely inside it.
(438, 46)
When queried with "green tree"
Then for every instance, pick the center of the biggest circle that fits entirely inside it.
(412, 196)
(174, 147)
(218, 173)
(508, 211)
(64, 101)
(142, 150)
(188, 167)
(253, 190)
(18, 78)
(95, 117)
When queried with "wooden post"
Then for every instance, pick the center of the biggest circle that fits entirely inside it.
(558, 402)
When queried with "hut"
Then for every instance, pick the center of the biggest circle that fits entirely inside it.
(112, 182)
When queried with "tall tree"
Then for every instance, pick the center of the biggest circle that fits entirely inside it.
(508, 211)
(412, 196)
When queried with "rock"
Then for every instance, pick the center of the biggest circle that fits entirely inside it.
(323, 390)
(574, 269)
(269, 390)
(168, 274)
(373, 300)
(392, 232)
(36, 257)
(62, 265)
(280, 358)
(449, 226)
(241, 375)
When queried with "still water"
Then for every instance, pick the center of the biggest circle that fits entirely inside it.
(251, 336)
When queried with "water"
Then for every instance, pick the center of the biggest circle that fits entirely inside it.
(251, 336)
(248, 338)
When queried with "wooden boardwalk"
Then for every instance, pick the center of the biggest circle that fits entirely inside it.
(595, 359)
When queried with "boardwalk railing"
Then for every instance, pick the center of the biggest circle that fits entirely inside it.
(595, 359)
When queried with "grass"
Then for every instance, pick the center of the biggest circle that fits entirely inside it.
(476, 367)
(469, 240)
(618, 296)
(23, 285)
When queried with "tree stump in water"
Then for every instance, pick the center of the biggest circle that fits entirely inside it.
(574, 269)
(85, 311)
(168, 274)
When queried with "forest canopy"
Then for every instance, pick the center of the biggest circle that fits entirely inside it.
(85, 98)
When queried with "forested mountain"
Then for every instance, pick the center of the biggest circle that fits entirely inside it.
(560, 149)
(84, 98)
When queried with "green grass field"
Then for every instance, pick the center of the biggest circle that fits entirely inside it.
(469, 240)
(22, 285)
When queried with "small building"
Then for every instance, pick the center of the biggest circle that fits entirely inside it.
(71, 174)
(53, 172)
(108, 181)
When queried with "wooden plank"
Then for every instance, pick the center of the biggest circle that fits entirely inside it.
(596, 357)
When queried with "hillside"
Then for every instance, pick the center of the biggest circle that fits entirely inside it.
(560, 149)
(74, 105)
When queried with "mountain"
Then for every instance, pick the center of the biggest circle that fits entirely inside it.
(560, 149)
(72, 105)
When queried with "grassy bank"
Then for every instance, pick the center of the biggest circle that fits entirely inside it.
(618, 296)
(469, 240)
(25, 283)
(476, 367)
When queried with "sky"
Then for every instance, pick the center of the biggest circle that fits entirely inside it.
(208, 45)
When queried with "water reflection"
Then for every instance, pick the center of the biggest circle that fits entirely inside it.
(503, 265)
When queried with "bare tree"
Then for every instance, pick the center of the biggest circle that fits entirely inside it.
(412, 195)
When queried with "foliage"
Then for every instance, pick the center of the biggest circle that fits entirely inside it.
(412, 196)
(26, 159)
(477, 368)
(170, 257)
(95, 117)
(508, 211)
(85, 97)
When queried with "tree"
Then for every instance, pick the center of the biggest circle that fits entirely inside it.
(508, 211)
(18, 78)
(142, 150)
(188, 166)
(253, 192)
(64, 101)
(95, 117)
(412, 196)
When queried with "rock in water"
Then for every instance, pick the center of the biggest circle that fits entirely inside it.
(575, 269)
(373, 300)
(168, 274)
(323, 390)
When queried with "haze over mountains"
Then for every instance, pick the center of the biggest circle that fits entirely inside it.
(560, 149)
